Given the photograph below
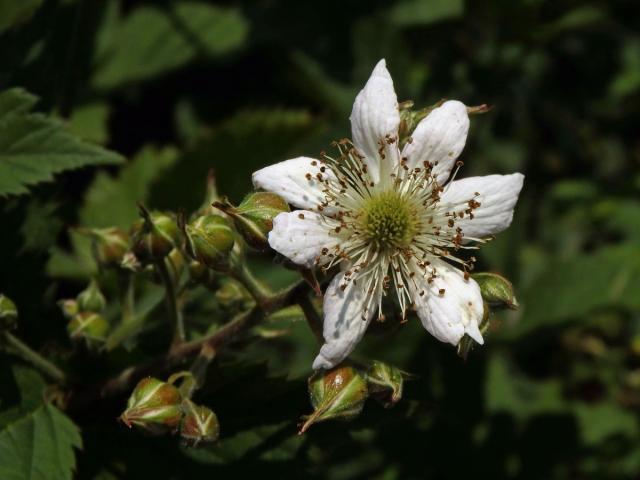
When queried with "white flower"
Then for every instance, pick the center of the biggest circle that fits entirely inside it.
(390, 217)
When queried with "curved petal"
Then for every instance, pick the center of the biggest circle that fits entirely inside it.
(439, 139)
(301, 235)
(450, 306)
(374, 118)
(497, 196)
(296, 181)
(345, 321)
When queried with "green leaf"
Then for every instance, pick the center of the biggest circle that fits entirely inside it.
(89, 122)
(151, 41)
(600, 421)
(425, 12)
(508, 390)
(568, 289)
(34, 147)
(13, 12)
(111, 201)
(39, 446)
(41, 226)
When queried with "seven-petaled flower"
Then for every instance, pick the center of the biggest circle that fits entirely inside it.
(390, 217)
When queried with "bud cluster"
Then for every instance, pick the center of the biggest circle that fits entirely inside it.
(158, 407)
(86, 322)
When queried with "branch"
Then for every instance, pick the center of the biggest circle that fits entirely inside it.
(126, 380)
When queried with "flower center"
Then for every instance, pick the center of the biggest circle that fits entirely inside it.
(388, 220)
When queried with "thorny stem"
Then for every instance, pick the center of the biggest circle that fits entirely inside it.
(258, 290)
(311, 314)
(32, 357)
(125, 381)
(172, 303)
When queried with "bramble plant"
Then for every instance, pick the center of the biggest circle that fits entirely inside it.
(377, 216)
(381, 240)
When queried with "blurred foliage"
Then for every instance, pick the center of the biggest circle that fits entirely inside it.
(180, 87)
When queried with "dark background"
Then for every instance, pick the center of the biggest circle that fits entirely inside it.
(180, 87)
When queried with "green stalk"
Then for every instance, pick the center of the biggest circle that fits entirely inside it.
(172, 303)
(32, 357)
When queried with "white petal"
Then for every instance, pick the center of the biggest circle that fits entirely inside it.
(344, 324)
(450, 314)
(498, 197)
(374, 117)
(439, 139)
(290, 179)
(301, 235)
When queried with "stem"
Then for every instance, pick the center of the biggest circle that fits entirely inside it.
(311, 314)
(198, 371)
(258, 290)
(25, 352)
(172, 303)
(127, 300)
(125, 381)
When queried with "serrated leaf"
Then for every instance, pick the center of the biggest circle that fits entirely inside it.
(111, 201)
(151, 41)
(34, 147)
(39, 446)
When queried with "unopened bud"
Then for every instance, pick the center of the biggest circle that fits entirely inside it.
(109, 244)
(339, 393)
(8, 313)
(210, 241)
(254, 216)
(154, 406)
(90, 327)
(91, 298)
(69, 307)
(199, 424)
(410, 118)
(496, 290)
(385, 383)
(154, 236)
(130, 262)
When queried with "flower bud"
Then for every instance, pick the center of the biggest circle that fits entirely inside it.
(90, 327)
(410, 118)
(338, 393)
(154, 237)
(199, 424)
(496, 290)
(210, 240)
(254, 216)
(109, 244)
(91, 298)
(385, 383)
(154, 406)
(130, 262)
(69, 307)
(8, 313)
